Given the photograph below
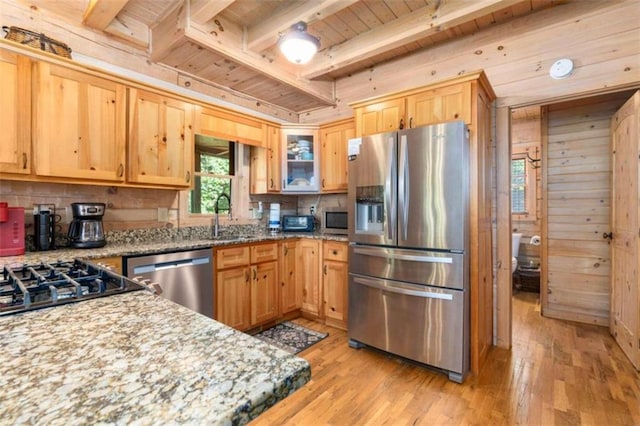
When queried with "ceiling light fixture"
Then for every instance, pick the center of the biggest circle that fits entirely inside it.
(298, 46)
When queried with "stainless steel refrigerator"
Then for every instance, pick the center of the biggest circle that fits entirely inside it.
(408, 254)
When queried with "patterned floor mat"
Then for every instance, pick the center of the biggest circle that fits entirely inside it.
(290, 337)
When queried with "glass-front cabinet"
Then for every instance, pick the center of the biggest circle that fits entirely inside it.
(300, 162)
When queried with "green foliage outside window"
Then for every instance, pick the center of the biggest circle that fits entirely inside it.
(213, 176)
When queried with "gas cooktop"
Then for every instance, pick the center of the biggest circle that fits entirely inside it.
(28, 287)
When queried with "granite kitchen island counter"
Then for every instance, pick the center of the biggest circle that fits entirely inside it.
(137, 358)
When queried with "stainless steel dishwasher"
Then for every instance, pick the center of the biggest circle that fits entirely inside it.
(185, 277)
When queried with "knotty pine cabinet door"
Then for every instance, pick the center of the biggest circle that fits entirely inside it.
(265, 164)
(308, 273)
(290, 286)
(439, 105)
(333, 155)
(161, 142)
(264, 292)
(335, 277)
(233, 297)
(383, 116)
(79, 124)
(15, 113)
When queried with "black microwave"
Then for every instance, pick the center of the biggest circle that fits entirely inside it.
(336, 221)
(297, 223)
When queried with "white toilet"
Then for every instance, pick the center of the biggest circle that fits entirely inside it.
(515, 246)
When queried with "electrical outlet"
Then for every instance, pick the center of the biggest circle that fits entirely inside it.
(312, 210)
(68, 214)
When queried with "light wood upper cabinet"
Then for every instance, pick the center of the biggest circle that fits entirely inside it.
(380, 116)
(265, 163)
(79, 124)
(333, 155)
(446, 101)
(161, 142)
(15, 113)
(440, 105)
(230, 126)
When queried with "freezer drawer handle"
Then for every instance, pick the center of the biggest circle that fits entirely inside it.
(387, 286)
(426, 259)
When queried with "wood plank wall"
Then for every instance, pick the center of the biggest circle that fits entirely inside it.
(578, 187)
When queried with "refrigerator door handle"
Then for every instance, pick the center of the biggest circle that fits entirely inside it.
(390, 185)
(400, 256)
(401, 289)
(403, 186)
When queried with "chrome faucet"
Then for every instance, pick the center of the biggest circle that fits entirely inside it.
(216, 209)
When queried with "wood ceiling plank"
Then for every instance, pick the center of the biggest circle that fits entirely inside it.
(266, 33)
(402, 31)
(202, 11)
(100, 13)
(129, 29)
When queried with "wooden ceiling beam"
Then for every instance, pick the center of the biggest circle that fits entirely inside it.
(400, 32)
(100, 13)
(264, 35)
(103, 15)
(202, 11)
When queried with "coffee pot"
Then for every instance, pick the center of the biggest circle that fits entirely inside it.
(86, 230)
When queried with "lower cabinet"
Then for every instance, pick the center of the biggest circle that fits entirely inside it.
(309, 274)
(263, 282)
(335, 275)
(290, 285)
(246, 284)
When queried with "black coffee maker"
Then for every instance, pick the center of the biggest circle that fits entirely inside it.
(86, 230)
(44, 224)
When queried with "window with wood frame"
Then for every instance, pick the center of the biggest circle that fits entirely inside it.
(523, 186)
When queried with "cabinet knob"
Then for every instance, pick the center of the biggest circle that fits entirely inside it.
(246, 276)
(188, 176)
(323, 182)
(120, 170)
(255, 274)
(24, 160)
(401, 126)
(335, 252)
(271, 183)
(411, 123)
(325, 269)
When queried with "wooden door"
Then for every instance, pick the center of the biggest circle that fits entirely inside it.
(161, 142)
(384, 116)
(233, 297)
(334, 282)
(290, 286)
(441, 104)
(15, 113)
(309, 274)
(79, 125)
(264, 292)
(333, 156)
(625, 221)
(274, 159)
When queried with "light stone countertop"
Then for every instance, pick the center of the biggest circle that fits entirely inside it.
(141, 247)
(136, 358)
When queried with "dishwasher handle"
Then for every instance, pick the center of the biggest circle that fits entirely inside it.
(154, 267)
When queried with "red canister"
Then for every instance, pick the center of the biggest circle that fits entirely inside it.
(4, 212)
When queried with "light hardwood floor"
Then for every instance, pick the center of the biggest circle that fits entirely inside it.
(557, 372)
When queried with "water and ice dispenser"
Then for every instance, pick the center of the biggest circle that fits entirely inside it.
(370, 209)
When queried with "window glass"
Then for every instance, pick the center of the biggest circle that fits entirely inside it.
(214, 174)
(518, 186)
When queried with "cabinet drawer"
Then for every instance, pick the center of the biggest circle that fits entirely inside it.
(335, 250)
(231, 256)
(264, 252)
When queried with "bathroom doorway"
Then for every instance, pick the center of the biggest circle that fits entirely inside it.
(571, 162)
